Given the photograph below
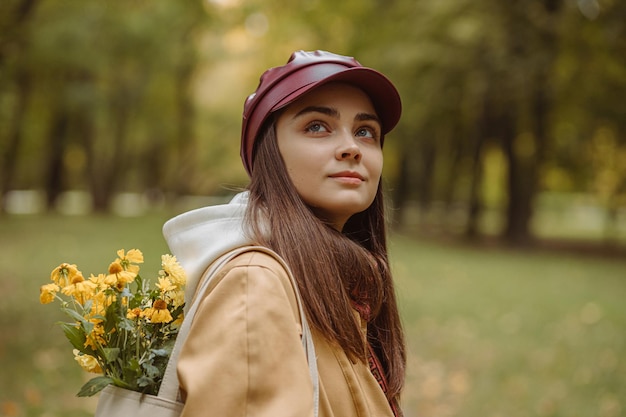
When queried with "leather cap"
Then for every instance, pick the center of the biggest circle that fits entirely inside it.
(280, 86)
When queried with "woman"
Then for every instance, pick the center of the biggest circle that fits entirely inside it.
(312, 139)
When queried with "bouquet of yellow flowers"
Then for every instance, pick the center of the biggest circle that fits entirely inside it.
(122, 327)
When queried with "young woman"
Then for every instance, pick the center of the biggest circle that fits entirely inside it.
(312, 140)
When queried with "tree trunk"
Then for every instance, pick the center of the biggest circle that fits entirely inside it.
(427, 151)
(402, 188)
(519, 186)
(456, 151)
(484, 124)
(12, 39)
(524, 168)
(474, 203)
(106, 179)
(14, 136)
(57, 140)
(12, 34)
(187, 146)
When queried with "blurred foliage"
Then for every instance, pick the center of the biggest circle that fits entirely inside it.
(503, 101)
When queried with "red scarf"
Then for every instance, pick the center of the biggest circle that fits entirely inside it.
(377, 370)
(375, 366)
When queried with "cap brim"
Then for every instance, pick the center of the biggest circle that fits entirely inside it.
(384, 96)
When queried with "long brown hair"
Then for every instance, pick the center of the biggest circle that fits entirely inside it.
(333, 269)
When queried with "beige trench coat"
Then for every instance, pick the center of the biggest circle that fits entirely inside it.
(244, 357)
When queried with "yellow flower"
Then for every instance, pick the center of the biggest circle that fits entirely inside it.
(98, 279)
(63, 274)
(95, 338)
(158, 313)
(119, 276)
(101, 282)
(134, 313)
(178, 298)
(80, 289)
(115, 268)
(47, 293)
(87, 362)
(134, 256)
(101, 300)
(165, 285)
(172, 268)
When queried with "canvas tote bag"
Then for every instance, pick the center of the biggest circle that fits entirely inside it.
(117, 402)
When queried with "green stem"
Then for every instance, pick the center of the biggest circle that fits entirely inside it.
(138, 338)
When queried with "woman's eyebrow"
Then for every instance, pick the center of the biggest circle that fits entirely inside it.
(332, 112)
(361, 117)
(329, 111)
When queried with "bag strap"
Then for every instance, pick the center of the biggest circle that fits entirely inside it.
(170, 385)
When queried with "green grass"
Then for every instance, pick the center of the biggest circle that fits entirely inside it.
(503, 333)
(491, 332)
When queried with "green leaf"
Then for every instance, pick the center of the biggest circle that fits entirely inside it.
(151, 370)
(88, 326)
(161, 352)
(74, 334)
(73, 314)
(111, 317)
(126, 293)
(126, 324)
(94, 386)
(177, 311)
(133, 365)
(144, 382)
(123, 384)
(110, 354)
(87, 306)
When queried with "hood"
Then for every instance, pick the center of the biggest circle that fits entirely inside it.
(199, 237)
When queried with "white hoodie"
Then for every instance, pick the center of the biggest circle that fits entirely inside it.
(198, 237)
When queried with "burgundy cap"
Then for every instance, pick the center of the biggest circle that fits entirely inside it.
(280, 86)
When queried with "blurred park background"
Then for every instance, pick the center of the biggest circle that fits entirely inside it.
(506, 176)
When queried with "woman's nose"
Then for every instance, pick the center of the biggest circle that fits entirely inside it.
(348, 147)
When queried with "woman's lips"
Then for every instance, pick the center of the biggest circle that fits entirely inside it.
(348, 177)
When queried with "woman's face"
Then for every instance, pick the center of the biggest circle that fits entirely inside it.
(330, 142)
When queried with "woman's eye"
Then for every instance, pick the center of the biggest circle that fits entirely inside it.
(316, 128)
(366, 133)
